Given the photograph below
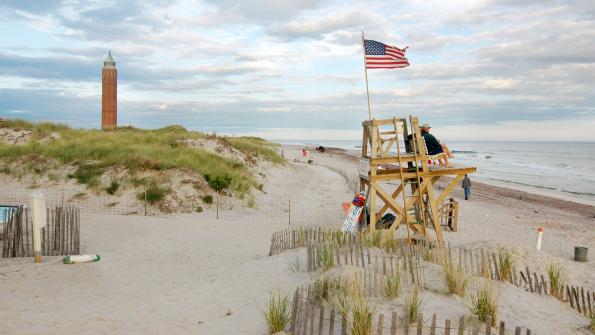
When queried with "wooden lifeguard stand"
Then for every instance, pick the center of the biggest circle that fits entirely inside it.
(393, 153)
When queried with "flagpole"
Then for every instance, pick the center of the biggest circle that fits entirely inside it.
(366, 72)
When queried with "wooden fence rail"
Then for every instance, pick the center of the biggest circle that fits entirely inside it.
(60, 235)
(356, 250)
(313, 318)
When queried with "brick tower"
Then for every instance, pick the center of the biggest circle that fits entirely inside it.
(109, 94)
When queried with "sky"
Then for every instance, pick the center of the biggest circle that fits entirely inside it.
(293, 69)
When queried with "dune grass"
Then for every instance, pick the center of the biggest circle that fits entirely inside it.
(557, 277)
(277, 313)
(484, 303)
(413, 306)
(256, 146)
(357, 311)
(392, 285)
(455, 279)
(505, 266)
(327, 256)
(136, 149)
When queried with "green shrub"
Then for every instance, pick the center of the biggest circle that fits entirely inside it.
(154, 193)
(218, 183)
(88, 174)
(199, 209)
(207, 199)
(112, 188)
(277, 313)
(133, 149)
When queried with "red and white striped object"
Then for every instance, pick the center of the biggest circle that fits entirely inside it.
(383, 56)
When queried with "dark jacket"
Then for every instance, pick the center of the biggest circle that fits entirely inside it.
(466, 182)
(432, 143)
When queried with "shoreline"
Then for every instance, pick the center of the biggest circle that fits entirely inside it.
(546, 199)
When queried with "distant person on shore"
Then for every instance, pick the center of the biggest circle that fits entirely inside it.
(434, 146)
(467, 187)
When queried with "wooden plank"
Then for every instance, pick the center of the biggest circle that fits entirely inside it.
(488, 325)
(502, 329)
(393, 324)
(321, 320)
(294, 309)
(420, 324)
(583, 300)
(304, 324)
(578, 304)
(331, 327)
(343, 325)
(433, 325)
(380, 324)
(475, 325)
(517, 331)
(570, 297)
(447, 327)
(537, 285)
(461, 325)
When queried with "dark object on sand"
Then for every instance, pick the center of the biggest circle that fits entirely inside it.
(320, 148)
(310, 161)
(386, 221)
(580, 254)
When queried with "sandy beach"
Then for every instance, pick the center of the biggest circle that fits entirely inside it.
(193, 274)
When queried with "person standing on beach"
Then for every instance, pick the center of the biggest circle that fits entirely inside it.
(467, 186)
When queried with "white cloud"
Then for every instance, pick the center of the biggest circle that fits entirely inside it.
(491, 63)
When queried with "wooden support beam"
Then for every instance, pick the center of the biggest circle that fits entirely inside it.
(449, 188)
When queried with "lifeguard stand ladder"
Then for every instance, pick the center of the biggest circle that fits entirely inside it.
(392, 154)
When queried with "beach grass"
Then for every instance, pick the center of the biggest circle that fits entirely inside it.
(93, 151)
(557, 277)
(484, 303)
(277, 313)
(392, 285)
(455, 279)
(327, 256)
(413, 306)
(505, 266)
(357, 311)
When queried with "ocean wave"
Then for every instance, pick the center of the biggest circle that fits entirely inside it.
(589, 194)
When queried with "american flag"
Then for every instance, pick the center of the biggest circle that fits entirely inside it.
(382, 56)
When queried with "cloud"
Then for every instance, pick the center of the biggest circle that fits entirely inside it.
(320, 25)
(263, 11)
(273, 64)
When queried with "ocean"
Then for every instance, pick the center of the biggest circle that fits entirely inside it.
(560, 169)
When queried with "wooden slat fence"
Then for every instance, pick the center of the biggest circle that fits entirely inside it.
(60, 235)
(355, 250)
(310, 317)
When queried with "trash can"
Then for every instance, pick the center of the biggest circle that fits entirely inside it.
(580, 254)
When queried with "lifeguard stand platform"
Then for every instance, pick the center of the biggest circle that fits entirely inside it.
(393, 154)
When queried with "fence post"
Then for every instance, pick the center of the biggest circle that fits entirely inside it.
(289, 211)
(145, 186)
(217, 204)
(39, 218)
